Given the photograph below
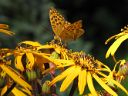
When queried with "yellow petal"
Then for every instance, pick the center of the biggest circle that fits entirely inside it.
(64, 55)
(18, 63)
(109, 39)
(90, 84)
(105, 86)
(82, 81)
(31, 43)
(112, 49)
(52, 60)
(112, 37)
(90, 94)
(26, 91)
(70, 77)
(102, 74)
(59, 61)
(4, 90)
(57, 49)
(114, 82)
(39, 59)
(17, 92)
(4, 26)
(119, 85)
(15, 77)
(62, 75)
(30, 60)
(106, 67)
(7, 32)
(45, 47)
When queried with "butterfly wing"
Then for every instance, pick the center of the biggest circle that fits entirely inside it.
(57, 21)
(72, 31)
(78, 29)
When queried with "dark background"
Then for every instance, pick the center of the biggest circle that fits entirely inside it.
(101, 19)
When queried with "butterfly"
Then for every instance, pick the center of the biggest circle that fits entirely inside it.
(63, 29)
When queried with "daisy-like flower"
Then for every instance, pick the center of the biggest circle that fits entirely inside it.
(119, 39)
(85, 69)
(58, 56)
(35, 54)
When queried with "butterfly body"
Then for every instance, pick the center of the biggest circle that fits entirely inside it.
(64, 29)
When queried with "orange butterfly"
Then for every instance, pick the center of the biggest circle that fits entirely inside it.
(64, 29)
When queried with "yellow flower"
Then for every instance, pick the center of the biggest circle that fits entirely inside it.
(119, 39)
(55, 47)
(86, 68)
(29, 54)
(26, 55)
(7, 70)
(58, 56)
(59, 63)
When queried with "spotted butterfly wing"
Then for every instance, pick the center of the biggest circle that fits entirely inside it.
(57, 21)
(64, 29)
(72, 32)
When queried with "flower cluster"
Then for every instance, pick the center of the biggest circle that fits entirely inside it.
(23, 70)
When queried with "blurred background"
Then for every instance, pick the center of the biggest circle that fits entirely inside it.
(29, 19)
